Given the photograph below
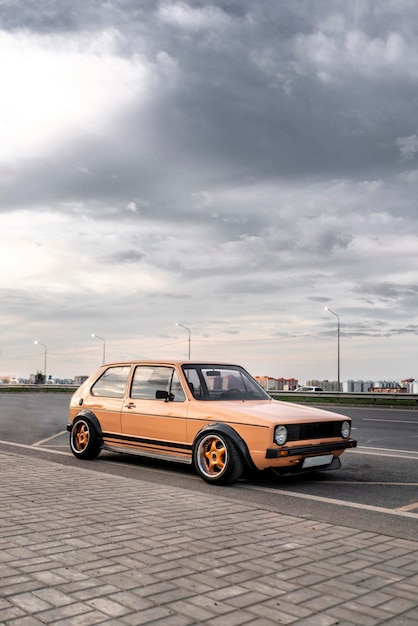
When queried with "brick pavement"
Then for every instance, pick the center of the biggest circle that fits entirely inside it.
(78, 547)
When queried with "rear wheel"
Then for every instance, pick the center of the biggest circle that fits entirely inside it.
(217, 460)
(83, 440)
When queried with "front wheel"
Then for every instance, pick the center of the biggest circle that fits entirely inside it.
(217, 460)
(83, 440)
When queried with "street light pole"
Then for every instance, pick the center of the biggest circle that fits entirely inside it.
(104, 345)
(190, 335)
(45, 355)
(338, 344)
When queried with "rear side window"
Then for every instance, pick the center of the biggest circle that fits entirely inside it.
(112, 383)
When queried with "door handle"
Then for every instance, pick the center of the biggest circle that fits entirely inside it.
(131, 405)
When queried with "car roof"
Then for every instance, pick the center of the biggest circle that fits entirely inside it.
(170, 362)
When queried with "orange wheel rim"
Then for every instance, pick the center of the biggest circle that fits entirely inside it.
(212, 456)
(82, 437)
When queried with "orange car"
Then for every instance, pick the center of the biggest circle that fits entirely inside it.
(214, 416)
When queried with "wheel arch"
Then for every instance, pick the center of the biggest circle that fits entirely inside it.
(228, 431)
(89, 415)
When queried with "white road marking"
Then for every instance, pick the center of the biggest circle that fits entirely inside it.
(39, 443)
(408, 507)
(367, 482)
(32, 447)
(334, 502)
(375, 419)
(388, 452)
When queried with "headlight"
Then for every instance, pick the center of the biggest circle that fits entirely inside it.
(345, 430)
(280, 435)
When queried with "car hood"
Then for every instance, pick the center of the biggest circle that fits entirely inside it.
(267, 412)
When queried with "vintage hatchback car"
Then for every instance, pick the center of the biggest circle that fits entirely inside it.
(214, 416)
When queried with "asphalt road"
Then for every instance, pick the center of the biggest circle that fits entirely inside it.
(375, 490)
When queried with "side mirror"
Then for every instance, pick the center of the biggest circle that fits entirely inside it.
(161, 394)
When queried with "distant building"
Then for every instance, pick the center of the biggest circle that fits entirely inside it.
(410, 385)
(277, 384)
(79, 380)
(7, 379)
(327, 385)
(374, 386)
(357, 386)
(386, 386)
(59, 381)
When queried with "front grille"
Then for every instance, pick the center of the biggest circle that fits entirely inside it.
(314, 430)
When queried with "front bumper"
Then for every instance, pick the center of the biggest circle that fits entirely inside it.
(279, 453)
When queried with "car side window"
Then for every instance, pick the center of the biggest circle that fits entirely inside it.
(112, 383)
(148, 380)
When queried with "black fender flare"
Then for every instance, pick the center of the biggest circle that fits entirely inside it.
(237, 440)
(86, 414)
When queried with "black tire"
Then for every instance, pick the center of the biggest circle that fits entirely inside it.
(217, 460)
(84, 442)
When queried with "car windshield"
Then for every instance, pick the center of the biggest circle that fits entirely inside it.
(222, 382)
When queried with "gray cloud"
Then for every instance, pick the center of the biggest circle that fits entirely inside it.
(232, 82)
(389, 291)
(127, 256)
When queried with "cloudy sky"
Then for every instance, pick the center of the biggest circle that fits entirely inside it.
(235, 166)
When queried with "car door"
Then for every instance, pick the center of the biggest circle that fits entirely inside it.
(154, 414)
(106, 399)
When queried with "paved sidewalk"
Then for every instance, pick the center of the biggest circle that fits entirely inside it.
(79, 547)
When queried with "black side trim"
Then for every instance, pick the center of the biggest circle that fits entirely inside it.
(142, 440)
(277, 453)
